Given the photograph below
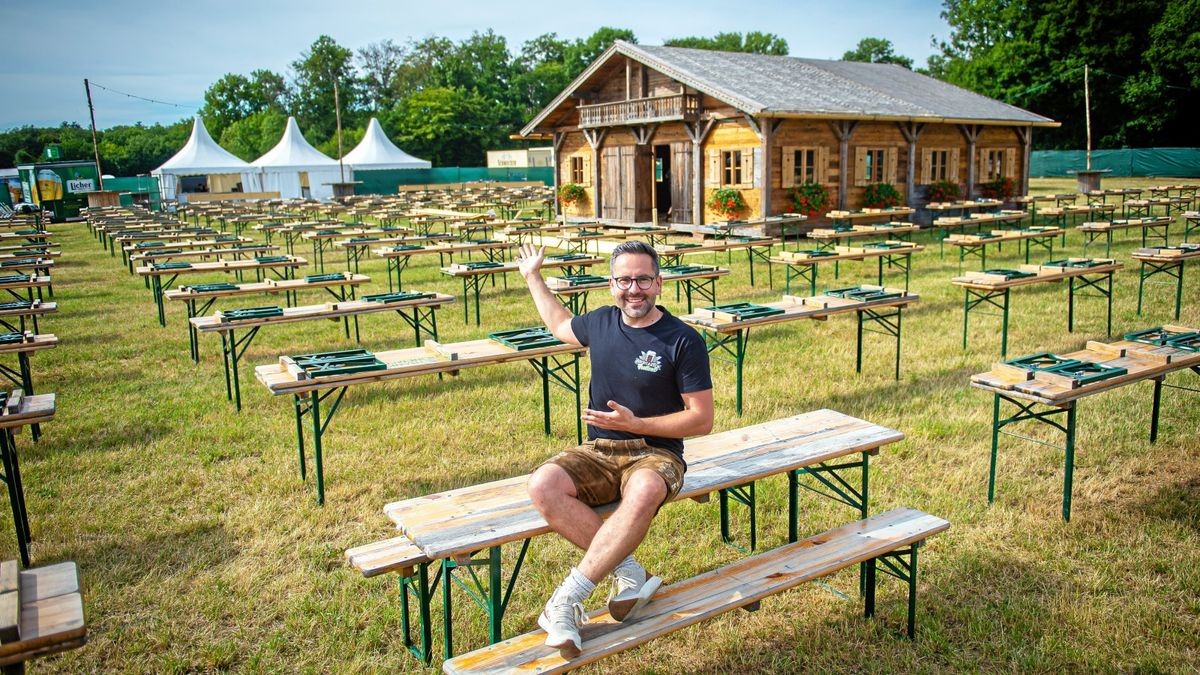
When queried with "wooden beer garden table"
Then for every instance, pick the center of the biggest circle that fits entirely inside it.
(199, 298)
(727, 327)
(399, 256)
(283, 266)
(976, 244)
(1168, 260)
(23, 344)
(696, 280)
(327, 238)
(475, 274)
(803, 264)
(993, 287)
(670, 255)
(1156, 227)
(359, 246)
(416, 308)
(16, 411)
(1057, 383)
(312, 379)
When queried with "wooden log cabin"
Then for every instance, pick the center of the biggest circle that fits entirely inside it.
(646, 127)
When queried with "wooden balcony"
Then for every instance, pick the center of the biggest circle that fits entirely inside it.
(678, 107)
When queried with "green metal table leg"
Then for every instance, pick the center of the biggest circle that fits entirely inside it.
(1158, 383)
(995, 445)
(1069, 473)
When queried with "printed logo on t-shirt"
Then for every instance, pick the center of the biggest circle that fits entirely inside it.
(648, 361)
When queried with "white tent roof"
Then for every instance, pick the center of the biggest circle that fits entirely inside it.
(201, 155)
(293, 153)
(376, 151)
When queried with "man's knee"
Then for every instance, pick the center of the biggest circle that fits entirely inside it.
(548, 483)
(645, 490)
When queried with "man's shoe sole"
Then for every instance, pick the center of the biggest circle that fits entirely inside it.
(567, 649)
(621, 610)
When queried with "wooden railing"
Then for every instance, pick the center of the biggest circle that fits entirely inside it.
(640, 110)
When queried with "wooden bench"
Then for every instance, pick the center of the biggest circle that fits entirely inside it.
(41, 613)
(803, 264)
(694, 281)
(474, 276)
(283, 267)
(888, 538)
(670, 255)
(468, 526)
(1156, 227)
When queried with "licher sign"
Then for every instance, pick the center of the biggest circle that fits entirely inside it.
(81, 185)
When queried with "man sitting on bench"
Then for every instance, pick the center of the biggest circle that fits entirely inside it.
(650, 388)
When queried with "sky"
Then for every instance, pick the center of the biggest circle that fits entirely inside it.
(172, 52)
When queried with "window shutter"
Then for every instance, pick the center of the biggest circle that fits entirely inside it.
(748, 179)
(755, 177)
(787, 168)
(564, 171)
(1010, 163)
(889, 165)
(952, 166)
(713, 175)
(587, 168)
(860, 166)
(821, 174)
(926, 167)
(982, 171)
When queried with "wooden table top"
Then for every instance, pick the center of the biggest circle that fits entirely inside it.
(217, 323)
(1041, 274)
(796, 307)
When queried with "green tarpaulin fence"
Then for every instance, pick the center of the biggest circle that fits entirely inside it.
(1176, 162)
(385, 182)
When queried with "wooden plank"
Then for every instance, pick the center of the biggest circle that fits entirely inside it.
(742, 584)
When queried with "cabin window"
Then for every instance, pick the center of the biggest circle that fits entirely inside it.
(939, 165)
(872, 169)
(577, 170)
(804, 169)
(731, 167)
(994, 164)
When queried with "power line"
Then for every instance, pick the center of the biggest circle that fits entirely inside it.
(142, 98)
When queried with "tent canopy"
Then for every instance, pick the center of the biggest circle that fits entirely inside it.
(200, 156)
(293, 153)
(376, 151)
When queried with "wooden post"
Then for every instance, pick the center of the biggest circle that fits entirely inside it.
(1025, 136)
(911, 132)
(843, 129)
(95, 145)
(595, 138)
(1087, 114)
(555, 161)
(971, 133)
(697, 132)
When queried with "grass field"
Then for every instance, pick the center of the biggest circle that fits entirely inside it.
(200, 549)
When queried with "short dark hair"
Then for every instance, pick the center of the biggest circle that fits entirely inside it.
(634, 246)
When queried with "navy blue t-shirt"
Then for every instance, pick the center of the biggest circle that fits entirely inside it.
(643, 369)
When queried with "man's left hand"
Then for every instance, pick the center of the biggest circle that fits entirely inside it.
(620, 419)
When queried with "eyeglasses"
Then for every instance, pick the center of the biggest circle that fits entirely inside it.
(626, 283)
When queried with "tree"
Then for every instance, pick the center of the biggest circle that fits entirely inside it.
(877, 50)
(582, 52)
(138, 149)
(379, 65)
(314, 75)
(1031, 53)
(234, 96)
(449, 127)
(251, 137)
(753, 42)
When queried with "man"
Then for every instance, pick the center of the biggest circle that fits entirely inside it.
(650, 389)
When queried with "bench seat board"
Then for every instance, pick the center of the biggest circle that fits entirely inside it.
(51, 613)
(472, 518)
(395, 554)
(737, 585)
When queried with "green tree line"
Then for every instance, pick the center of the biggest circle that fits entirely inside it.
(450, 101)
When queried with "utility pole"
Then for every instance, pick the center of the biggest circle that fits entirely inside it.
(95, 145)
(337, 110)
(1087, 112)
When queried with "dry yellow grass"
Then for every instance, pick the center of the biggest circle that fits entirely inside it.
(201, 550)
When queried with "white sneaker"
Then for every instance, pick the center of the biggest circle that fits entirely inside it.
(630, 593)
(561, 621)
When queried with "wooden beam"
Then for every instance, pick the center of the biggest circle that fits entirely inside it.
(555, 160)
(1025, 135)
(643, 134)
(753, 124)
(911, 132)
(595, 138)
(843, 129)
(644, 84)
(768, 133)
(696, 132)
(971, 133)
(628, 78)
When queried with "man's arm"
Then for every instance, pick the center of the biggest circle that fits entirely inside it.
(556, 316)
(696, 418)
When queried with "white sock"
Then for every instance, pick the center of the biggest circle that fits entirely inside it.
(576, 587)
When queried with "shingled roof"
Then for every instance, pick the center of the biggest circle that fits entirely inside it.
(785, 86)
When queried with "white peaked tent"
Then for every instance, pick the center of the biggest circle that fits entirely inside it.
(281, 167)
(376, 152)
(201, 156)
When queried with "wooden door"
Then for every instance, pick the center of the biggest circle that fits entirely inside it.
(643, 183)
(681, 182)
(619, 183)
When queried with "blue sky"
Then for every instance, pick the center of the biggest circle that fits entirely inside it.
(172, 51)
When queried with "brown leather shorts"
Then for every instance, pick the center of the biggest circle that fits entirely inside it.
(600, 468)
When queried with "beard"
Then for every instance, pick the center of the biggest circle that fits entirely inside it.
(639, 311)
